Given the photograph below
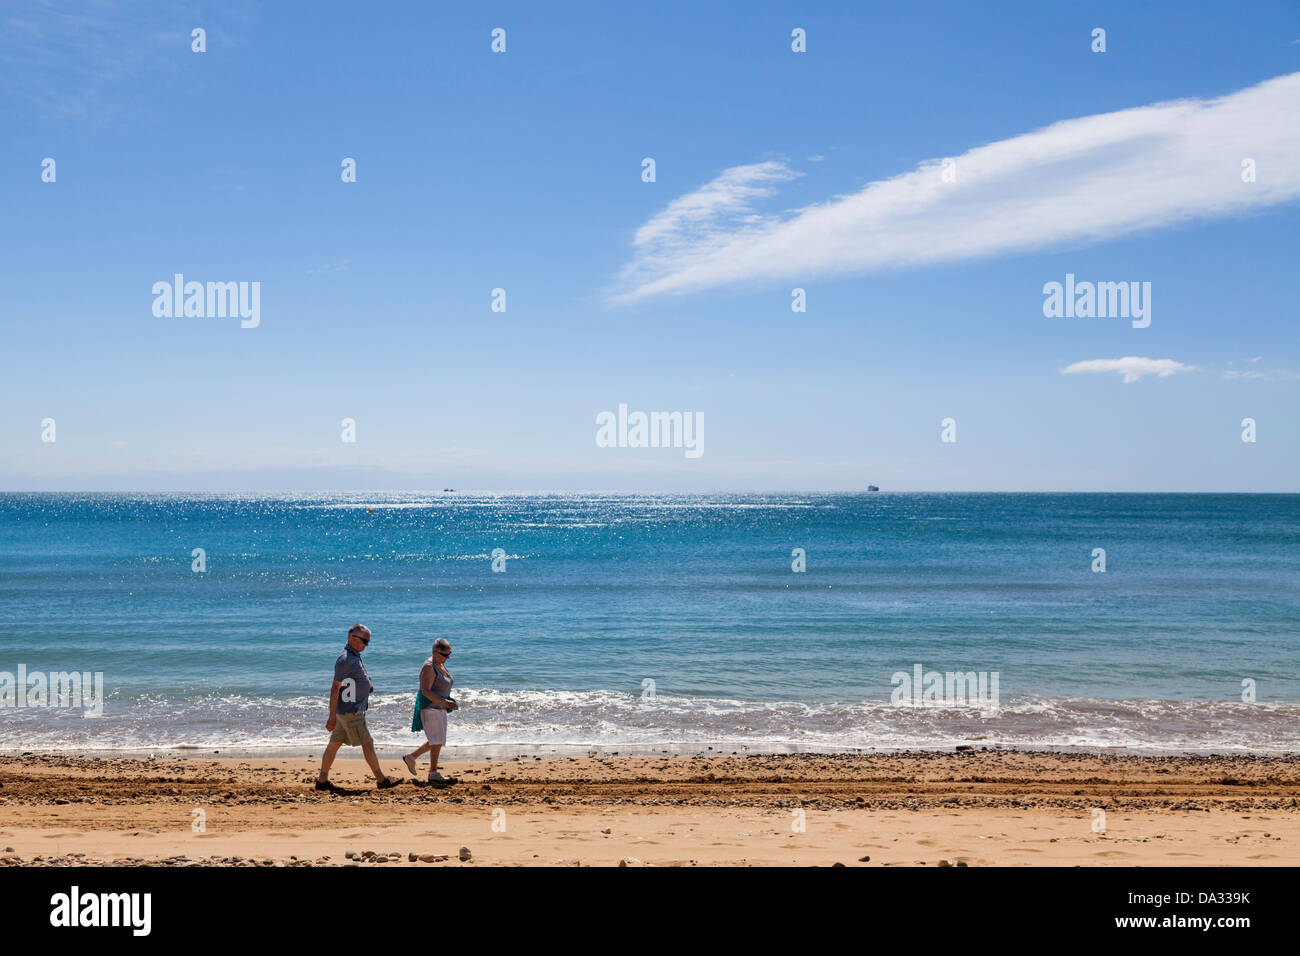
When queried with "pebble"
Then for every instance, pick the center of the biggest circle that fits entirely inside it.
(463, 853)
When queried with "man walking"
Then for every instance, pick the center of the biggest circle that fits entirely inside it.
(349, 697)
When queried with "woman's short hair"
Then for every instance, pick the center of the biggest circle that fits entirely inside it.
(442, 644)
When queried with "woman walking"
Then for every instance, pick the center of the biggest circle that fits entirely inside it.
(432, 704)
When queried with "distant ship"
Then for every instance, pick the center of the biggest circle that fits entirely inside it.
(449, 489)
(872, 488)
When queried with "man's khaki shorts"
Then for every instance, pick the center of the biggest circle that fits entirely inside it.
(351, 729)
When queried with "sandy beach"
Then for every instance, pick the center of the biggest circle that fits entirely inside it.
(972, 808)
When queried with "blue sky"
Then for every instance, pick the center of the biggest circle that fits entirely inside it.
(523, 171)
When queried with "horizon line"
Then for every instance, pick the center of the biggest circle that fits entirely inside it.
(611, 491)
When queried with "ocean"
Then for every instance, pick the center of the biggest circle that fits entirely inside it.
(651, 623)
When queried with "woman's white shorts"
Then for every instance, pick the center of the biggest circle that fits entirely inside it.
(435, 725)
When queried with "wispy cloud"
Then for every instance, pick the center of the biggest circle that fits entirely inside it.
(1254, 375)
(1233, 374)
(325, 267)
(88, 60)
(1132, 367)
(71, 59)
(1080, 180)
(710, 216)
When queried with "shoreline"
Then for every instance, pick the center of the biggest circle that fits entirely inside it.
(975, 808)
(499, 724)
(507, 751)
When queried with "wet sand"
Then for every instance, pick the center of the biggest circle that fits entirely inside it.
(973, 808)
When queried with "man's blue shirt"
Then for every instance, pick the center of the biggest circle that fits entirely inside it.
(349, 667)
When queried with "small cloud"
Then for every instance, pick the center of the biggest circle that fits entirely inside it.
(330, 267)
(816, 159)
(1132, 367)
(1255, 359)
(1253, 375)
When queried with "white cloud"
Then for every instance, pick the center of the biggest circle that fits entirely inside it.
(711, 215)
(1252, 375)
(1131, 367)
(1077, 181)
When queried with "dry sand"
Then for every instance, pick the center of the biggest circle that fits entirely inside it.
(975, 808)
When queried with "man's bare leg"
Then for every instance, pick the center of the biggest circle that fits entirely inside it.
(327, 761)
(368, 751)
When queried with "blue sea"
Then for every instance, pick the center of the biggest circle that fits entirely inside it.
(645, 623)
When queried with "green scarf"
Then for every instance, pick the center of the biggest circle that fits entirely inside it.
(421, 702)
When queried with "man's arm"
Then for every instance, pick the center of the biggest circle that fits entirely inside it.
(334, 704)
